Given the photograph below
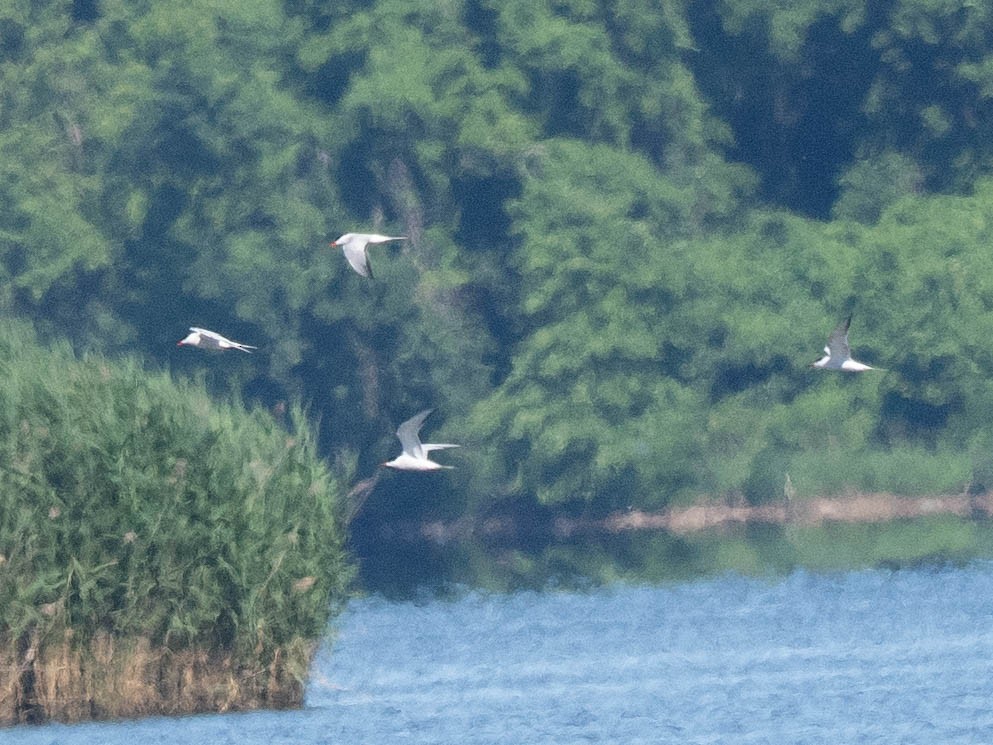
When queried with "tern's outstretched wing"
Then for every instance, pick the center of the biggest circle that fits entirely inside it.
(356, 254)
(838, 341)
(407, 432)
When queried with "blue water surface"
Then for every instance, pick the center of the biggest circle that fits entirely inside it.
(864, 657)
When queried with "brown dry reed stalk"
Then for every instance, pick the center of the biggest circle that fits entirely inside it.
(124, 678)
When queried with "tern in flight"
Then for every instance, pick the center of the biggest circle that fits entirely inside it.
(837, 354)
(415, 453)
(204, 339)
(355, 245)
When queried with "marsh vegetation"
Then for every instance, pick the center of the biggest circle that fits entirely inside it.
(160, 551)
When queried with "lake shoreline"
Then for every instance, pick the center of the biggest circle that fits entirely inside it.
(705, 515)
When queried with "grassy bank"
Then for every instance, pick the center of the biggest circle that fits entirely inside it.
(159, 552)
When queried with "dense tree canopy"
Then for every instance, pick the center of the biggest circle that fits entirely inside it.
(630, 225)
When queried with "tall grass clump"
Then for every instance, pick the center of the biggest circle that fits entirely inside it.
(159, 552)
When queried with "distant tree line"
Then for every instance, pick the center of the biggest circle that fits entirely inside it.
(631, 226)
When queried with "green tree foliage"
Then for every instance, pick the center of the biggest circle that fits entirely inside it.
(217, 183)
(873, 183)
(594, 406)
(807, 87)
(51, 232)
(591, 290)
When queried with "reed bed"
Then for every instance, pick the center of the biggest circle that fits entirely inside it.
(160, 552)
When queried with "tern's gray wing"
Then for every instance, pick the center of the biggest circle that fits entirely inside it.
(357, 257)
(838, 341)
(407, 432)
